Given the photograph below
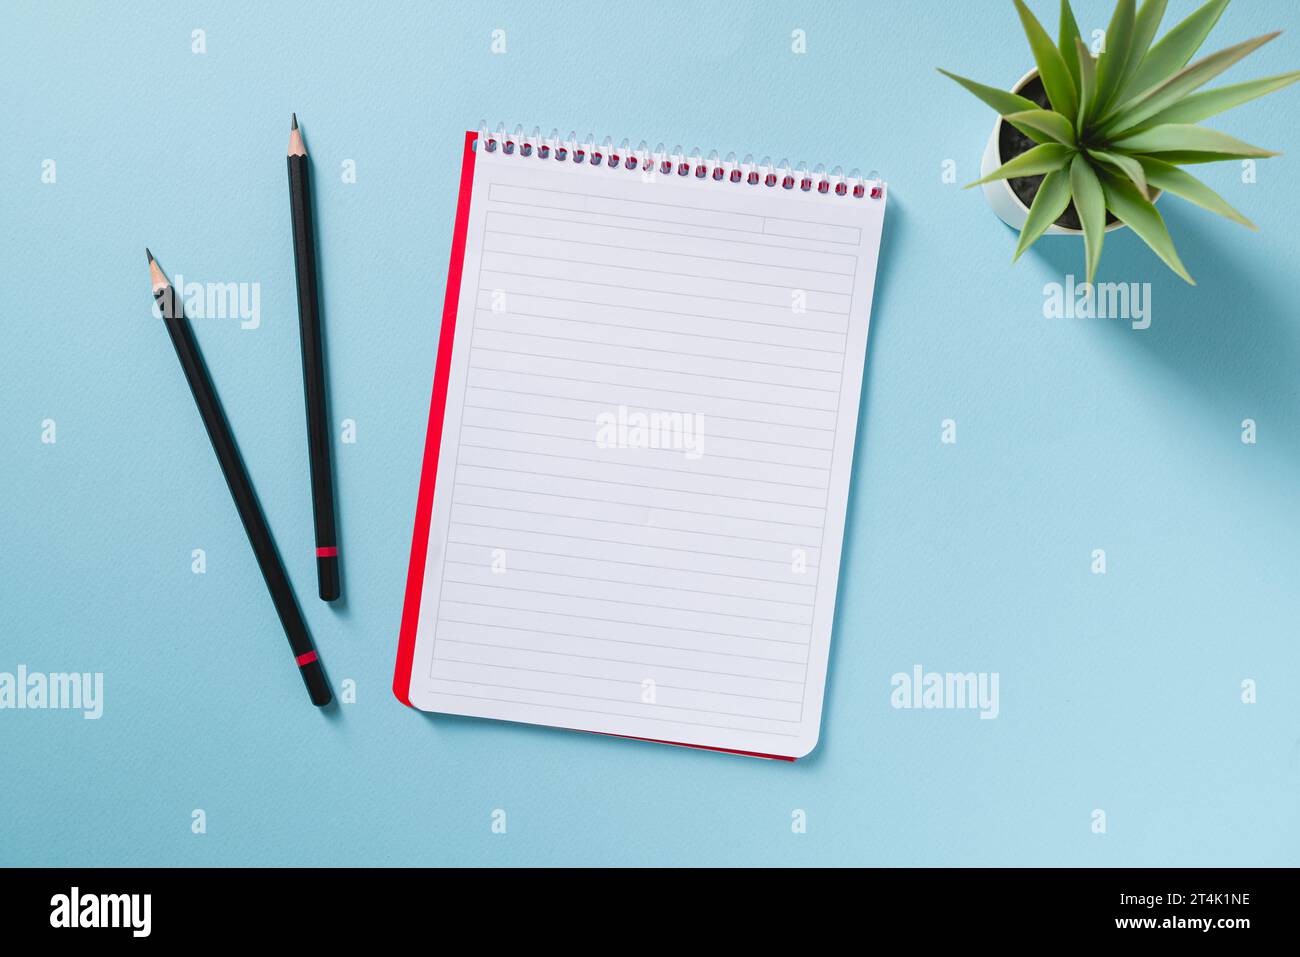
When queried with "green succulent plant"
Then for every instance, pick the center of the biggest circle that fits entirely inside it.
(1122, 123)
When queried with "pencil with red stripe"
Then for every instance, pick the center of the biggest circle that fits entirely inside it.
(241, 489)
(313, 366)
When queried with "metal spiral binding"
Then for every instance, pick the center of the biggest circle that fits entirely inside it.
(678, 162)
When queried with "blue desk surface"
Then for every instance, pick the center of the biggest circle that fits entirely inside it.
(1120, 692)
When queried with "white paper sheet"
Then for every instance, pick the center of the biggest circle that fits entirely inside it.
(674, 582)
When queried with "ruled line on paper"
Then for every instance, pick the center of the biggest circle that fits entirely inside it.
(600, 502)
(586, 441)
(554, 385)
(657, 468)
(610, 541)
(702, 395)
(626, 621)
(622, 246)
(623, 661)
(660, 272)
(605, 678)
(650, 565)
(517, 314)
(624, 287)
(587, 420)
(770, 661)
(768, 617)
(561, 475)
(629, 700)
(633, 346)
(619, 581)
(748, 380)
(775, 651)
(574, 301)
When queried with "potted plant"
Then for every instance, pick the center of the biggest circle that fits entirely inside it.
(1085, 144)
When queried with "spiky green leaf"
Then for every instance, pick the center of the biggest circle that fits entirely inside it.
(1045, 122)
(1000, 100)
(1003, 102)
(1053, 196)
(1195, 157)
(1187, 138)
(1145, 25)
(1123, 199)
(1087, 82)
(1202, 106)
(1167, 94)
(1171, 179)
(1047, 158)
(1177, 47)
(1126, 165)
(1069, 34)
(1055, 75)
(1112, 65)
(1090, 203)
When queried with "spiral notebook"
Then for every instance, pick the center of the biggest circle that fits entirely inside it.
(639, 447)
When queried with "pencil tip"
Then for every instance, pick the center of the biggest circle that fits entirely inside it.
(156, 275)
(296, 147)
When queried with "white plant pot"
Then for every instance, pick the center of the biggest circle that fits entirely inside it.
(999, 193)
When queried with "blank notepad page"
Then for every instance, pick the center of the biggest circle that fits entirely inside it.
(643, 465)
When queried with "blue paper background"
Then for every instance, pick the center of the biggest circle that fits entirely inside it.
(1119, 692)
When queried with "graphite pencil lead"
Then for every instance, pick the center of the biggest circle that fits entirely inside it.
(149, 254)
(294, 116)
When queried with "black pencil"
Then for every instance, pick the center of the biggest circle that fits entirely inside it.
(313, 367)
(241, 489)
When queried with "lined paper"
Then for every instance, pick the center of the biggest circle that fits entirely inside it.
(675, 581)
